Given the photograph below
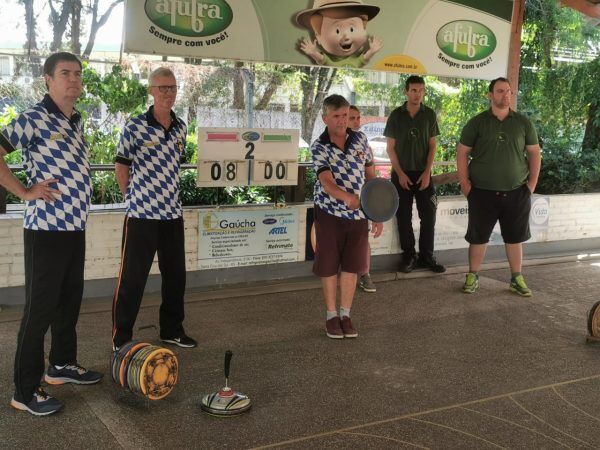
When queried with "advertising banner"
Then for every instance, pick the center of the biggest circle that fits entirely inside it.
(458, 38)
(246, 238)
(453, 218)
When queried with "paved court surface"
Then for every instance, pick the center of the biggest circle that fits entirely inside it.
(431, 368)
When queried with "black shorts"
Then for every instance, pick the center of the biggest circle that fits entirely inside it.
(511, 208)
(341, 243)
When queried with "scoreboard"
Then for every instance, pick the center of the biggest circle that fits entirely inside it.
(247, 157)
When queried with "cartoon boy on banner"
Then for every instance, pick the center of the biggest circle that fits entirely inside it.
(340, 29)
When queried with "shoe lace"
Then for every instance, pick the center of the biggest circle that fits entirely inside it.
(471, 278)
(80, 370)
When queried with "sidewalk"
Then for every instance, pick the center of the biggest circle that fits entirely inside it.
(431, 368)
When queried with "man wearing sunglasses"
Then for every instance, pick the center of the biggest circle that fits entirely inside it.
(147, 168)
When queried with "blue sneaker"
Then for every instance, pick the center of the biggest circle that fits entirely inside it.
(41, 404)
(71, 373)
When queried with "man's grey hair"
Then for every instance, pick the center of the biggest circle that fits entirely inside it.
(160, 72)
(334, 101)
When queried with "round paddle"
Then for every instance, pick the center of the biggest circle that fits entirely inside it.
(379, 199)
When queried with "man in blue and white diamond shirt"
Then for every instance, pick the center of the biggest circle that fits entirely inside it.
(343, 161)
(57, 200)
(148, 172)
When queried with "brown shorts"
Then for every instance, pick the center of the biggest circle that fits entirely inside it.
(341, 243)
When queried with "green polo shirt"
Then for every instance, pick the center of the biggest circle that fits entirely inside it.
(412, 135)
(498, 153)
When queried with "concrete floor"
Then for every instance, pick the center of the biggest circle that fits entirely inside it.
(431, 368)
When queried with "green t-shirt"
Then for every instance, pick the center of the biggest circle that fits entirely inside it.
(412, 135)
(498, 153)
(354, 61)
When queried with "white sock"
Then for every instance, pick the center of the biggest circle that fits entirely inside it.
(331, 314)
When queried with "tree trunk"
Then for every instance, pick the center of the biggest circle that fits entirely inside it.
(59, 22)
(315, 86)
(238, 87)
(30, 24)
(270, 90)
(31, 44)
(591, 138)
(76, 27)
(96, 24)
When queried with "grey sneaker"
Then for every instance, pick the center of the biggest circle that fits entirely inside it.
(71, 373)
(366, 284)
(41, 404)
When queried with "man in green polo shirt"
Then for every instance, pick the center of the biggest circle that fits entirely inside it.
(498, 181)
(411, 132)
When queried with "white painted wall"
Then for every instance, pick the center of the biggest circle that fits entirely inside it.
(554, 218)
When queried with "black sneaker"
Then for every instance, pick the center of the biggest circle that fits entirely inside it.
(408, 263)
(71, 373)
(40, 405)
(429, 262)
(181, 341)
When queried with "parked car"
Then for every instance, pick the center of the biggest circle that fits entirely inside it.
(382, 162)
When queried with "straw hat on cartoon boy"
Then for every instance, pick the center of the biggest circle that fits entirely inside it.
(303, 17)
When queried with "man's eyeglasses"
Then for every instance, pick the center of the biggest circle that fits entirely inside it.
(165, 89)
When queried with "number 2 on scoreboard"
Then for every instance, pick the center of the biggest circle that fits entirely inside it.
(250, 147)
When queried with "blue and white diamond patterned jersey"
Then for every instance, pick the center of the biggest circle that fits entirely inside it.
(347, 167)
(52, 147)
(155, 156)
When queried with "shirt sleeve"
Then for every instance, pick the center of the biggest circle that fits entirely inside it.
(368, 155)
(468, 136)
(390, 126)
(531, 137)
(18, 134)
(319, 157)
(126, 148)
(183, 158)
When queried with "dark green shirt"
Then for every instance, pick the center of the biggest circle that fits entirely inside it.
(498, 153)
(412, 135)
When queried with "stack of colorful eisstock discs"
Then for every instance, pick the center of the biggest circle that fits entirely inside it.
(145, 369)
(594, 321)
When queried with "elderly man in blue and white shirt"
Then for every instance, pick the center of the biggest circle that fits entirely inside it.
(148, 172)
(343, 162)
(57, 200)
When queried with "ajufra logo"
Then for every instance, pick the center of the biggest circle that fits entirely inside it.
(466, 40)
(192, 18)
(501, 137)
(414, 133)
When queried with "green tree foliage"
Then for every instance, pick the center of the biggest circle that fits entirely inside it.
(560, 91)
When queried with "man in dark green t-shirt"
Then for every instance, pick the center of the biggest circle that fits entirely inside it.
(411, 132)
(498, 181)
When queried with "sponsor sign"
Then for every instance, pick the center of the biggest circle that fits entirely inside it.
(459, 38)
(246, 238)
(373, 128)
(453, 218)
(539, 217)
